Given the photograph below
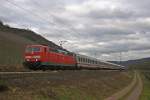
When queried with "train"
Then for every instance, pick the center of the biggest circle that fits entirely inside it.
(44, 57)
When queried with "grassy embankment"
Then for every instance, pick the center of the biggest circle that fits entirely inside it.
(64, 85)
(146, 83)
(143, 66)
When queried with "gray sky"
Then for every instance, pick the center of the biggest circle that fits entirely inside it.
(98, 28)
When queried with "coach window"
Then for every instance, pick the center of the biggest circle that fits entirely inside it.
(78, 59)
(86, 60)
(81, 59)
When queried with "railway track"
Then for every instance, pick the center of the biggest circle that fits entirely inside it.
(48, 72)
(51, 74)
(33, 74)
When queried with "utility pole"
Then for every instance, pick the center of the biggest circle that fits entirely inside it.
(95, 54)
(120, 57)
(61, 43)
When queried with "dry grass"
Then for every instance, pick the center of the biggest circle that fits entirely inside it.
(65, 85)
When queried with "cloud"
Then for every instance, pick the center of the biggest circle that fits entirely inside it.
(101, 27)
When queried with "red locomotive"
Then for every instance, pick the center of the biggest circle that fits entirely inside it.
(42, 57)
(39, 56)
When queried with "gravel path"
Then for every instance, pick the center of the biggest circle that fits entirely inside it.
(134, 95)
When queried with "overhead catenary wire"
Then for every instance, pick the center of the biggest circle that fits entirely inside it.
(32, 13)
(68, 25)
(71, 29)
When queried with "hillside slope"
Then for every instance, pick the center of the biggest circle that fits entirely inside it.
(143, 63)
(139, 63)
(12, 44)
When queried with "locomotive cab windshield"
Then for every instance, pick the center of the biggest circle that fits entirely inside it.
(33, 49)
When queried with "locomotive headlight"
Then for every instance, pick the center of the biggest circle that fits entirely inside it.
(36, 57)
(28, 59)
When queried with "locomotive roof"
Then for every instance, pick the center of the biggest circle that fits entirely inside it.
(37, 45)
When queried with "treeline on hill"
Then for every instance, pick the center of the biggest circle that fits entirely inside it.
(12, 45)
(143, 64)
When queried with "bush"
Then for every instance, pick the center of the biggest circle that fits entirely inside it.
(3, 86)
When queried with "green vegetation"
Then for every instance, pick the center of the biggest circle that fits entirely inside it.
(72, 93)
(146, 82)
(140, 64)
(143, 66)
(12, 44)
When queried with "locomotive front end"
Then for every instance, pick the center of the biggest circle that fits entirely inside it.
(33, 56)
